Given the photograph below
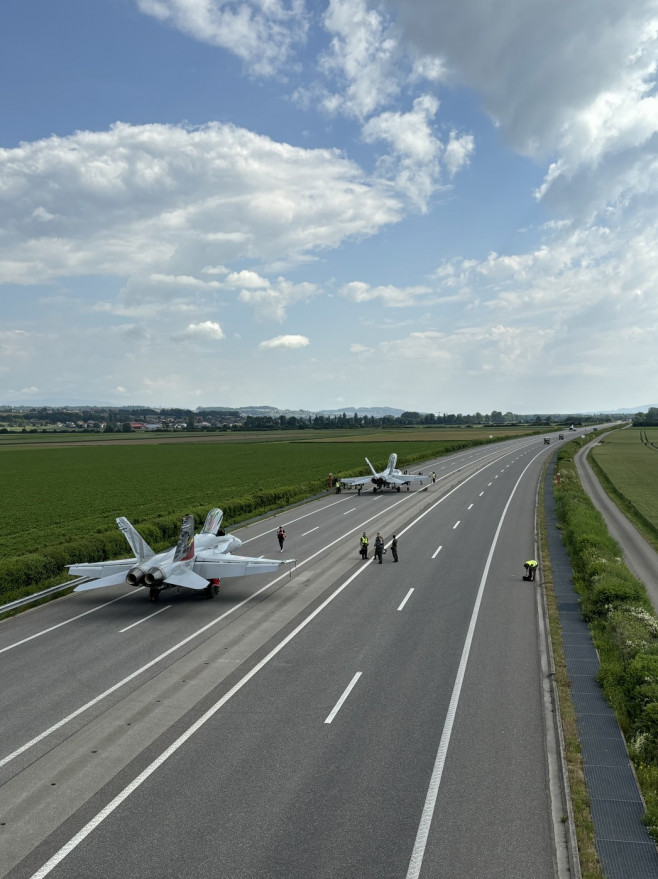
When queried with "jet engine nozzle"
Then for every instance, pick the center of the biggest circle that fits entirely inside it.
(135, 576)
(154, 576)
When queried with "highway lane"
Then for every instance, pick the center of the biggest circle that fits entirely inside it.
(328, 567)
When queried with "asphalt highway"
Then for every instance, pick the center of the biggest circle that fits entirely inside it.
(339, 719)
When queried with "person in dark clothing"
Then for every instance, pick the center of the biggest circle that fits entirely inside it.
(379, 547)
(394, 548)
(281, 536)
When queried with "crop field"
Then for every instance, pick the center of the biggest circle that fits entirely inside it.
(59, 493)
(629, 460)
(477, 433)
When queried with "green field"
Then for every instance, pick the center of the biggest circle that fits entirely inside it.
(627, 463)
(55, 494)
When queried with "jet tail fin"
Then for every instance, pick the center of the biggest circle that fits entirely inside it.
(392, 462)
(374, 472)
(137, 543)
(185, 546)
(213, 521)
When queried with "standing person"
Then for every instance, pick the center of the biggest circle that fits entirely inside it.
(281, 536)
(394, 548)
(379, 547)
(364, 546)
(433, 477)
(530, 569)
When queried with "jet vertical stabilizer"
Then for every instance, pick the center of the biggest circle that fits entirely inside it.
(213, 521)
(392, 462)
(137, 543)
(185, 546)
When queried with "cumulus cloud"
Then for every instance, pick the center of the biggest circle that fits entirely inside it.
(285, 342)
(388, 295)
(362, 57)
(165, 199)
(415, 149)
(207, 329)
(568, 82)
(263, 33)
(270, 301)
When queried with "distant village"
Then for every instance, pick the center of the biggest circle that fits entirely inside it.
(97, 419)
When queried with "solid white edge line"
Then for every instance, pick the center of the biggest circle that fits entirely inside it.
(418, 853)
(66, 849)
(406, 599)
(342, 699)
(150, 616)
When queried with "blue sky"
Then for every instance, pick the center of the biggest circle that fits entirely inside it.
(306, 204)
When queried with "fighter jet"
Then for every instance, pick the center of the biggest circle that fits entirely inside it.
(390, 477)
(196, 562)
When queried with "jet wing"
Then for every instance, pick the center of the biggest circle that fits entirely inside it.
(224, 565)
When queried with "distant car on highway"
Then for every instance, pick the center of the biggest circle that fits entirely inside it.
(547, 440)
(561, 436)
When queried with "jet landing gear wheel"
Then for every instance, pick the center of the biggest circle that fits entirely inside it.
(154, 594)
(212, 589)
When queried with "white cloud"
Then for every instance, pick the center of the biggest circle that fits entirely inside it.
(171, 201)
(263, 33)
(207, 329)
(362, 57)
(415, 148)
(285, 342)
(270, 301)
(388, 295)
(569, 82)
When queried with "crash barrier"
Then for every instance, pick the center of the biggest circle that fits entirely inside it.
(37, 596)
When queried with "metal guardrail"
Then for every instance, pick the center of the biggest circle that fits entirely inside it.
(21, 602)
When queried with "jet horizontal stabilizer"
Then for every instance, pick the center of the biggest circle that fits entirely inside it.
(186, 578)
(112, 580)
